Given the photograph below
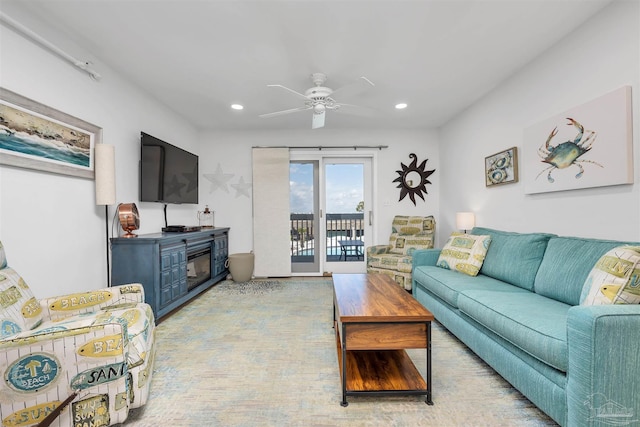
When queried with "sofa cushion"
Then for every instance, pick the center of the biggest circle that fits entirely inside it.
(615, 279)
(406, 245)
(377, 250)
(401, 278)
(464, 253)
(410, 233)
(407, 225)
(513, 257)
(566, 265)
(531, 322)
(391, 262)
(446, 284)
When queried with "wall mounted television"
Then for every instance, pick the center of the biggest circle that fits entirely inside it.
(168, 174)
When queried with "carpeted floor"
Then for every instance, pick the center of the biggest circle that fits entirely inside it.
(263, 353)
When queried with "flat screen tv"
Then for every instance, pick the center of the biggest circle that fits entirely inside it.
(168, 174)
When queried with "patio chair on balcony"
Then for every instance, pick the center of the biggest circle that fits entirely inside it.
(408, 233)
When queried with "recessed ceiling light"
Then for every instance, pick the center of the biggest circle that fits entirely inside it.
(401, 106)
(237, 106)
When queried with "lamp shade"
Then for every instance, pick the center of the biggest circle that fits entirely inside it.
(465, 220)
(105, 168)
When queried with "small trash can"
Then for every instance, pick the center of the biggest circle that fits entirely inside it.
(241, 266)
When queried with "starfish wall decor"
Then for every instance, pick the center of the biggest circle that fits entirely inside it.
(242, 188)
(218, 179)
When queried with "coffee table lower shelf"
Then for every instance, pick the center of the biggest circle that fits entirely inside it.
(380, 372)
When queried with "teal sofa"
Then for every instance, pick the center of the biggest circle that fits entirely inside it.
(522, 315)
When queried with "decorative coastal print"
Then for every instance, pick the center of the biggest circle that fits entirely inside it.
(501, 168)
(586, 146)
(35, 136)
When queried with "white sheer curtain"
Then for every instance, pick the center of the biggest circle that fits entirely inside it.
(271, 226)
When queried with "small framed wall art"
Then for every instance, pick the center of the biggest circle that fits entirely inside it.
(501, 168)
(35, 136)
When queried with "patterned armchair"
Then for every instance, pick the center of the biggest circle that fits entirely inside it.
(81, 359)
(408, 233)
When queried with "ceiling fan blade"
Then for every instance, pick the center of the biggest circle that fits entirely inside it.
(300, 95)
(318, 120)
(280, 113)
(357, 110)
(359, 83)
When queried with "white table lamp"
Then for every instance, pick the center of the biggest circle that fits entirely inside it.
(465, 221)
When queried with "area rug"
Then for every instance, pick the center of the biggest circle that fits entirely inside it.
(262, 353)
(252, 287)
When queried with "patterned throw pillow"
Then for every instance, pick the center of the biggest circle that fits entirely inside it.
(3, 258)
(464, 253)
(411, 233)
(615, 279)
(19, 310)
(407, 244)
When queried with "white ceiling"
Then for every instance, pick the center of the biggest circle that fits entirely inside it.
(200, 56)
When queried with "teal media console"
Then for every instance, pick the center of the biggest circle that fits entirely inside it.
(172, 267)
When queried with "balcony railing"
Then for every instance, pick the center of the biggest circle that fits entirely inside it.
(339, 227)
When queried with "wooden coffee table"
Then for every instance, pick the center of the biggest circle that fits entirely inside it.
(375, 321)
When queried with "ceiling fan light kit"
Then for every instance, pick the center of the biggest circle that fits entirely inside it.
(319, 99)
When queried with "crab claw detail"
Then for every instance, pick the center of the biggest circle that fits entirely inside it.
(553, 133)
(578, 126)
(574, 123)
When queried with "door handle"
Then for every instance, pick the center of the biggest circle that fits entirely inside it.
(370, 218)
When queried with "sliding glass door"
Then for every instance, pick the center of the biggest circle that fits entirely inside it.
(305, 224)
(347, 203)
(331, 212)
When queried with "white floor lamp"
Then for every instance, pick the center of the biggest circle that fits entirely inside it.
(105, 169)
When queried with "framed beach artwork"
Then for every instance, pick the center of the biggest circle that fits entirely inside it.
(587, 146)
(35, 136)
(501, 168)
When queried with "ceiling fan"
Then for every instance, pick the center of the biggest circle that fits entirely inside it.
(319, 99)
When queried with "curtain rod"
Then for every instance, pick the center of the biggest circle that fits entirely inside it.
(26, 32)
(322, 147)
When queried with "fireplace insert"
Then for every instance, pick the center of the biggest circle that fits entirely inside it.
(198, 265)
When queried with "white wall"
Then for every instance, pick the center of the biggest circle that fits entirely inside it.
(232, 150)
(53, 232)
(599, 58)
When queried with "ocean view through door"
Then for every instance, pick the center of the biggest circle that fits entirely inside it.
(330, 199)
(305, 224)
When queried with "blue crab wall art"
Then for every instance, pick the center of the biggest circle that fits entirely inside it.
(567, 153)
